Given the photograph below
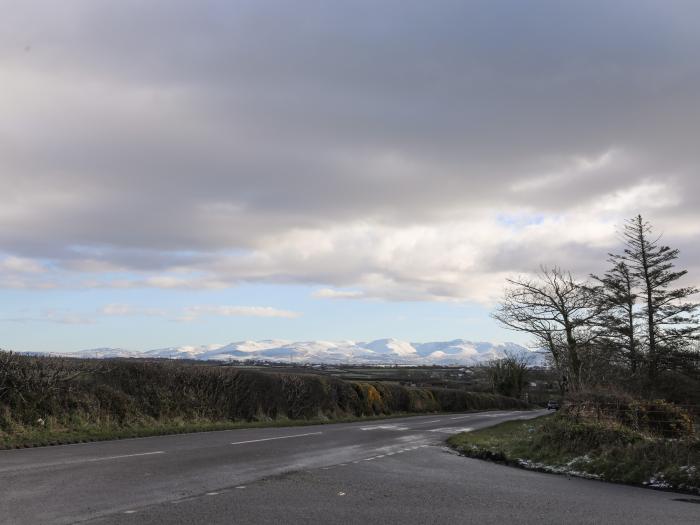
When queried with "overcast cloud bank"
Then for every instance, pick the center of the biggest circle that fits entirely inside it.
(377, 151)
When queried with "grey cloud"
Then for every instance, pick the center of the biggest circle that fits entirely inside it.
(157, 135)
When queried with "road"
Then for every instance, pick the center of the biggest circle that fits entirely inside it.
(390, 471)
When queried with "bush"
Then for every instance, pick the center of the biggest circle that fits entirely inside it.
(654, 417)
(81, 395)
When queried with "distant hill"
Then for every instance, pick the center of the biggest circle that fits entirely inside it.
(381, 351)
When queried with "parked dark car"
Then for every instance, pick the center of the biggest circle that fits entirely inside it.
(552, 405)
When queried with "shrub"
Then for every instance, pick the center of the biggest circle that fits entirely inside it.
(654, 417)
(73, 394)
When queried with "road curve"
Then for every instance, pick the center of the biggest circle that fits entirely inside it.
(390, 471)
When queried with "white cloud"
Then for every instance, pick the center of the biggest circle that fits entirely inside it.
(21, 265)
(193, 313)
(330, 293)
(116, 309)
(52, 316)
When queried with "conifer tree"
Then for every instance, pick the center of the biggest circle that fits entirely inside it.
(618, 315)
(669, 315)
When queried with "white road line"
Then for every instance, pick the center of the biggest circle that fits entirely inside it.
(280, 437)
(120, 457)
(384, 427)
(36, 466)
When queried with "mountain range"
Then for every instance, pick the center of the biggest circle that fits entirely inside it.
(381, 351)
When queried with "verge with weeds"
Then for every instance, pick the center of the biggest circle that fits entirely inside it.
(595, 449)
(52, 400)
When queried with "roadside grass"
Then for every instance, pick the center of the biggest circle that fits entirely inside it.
(594, 450)
(43, 437)
(50, 400)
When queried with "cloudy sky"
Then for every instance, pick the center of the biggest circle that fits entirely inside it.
(198, 172)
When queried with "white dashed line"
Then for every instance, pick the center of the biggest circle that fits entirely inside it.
(280, 437)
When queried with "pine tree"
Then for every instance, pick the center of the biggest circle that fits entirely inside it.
(671, 321)
(618, 316)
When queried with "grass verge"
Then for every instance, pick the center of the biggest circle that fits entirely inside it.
(48, 437)
(594, 450)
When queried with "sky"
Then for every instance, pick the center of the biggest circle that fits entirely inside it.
(202, 172)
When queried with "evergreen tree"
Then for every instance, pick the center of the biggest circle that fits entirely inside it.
(618, 316)
(670, 317)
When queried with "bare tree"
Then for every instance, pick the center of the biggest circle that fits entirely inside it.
(557, 310)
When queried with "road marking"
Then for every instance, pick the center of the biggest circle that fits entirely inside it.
(451, 430)
(120, 457)
(384, 427)
(280, 437)
(240, 487)
(213, 493)
(76, 461)
(129, 512)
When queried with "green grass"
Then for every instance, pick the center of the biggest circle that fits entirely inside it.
(38, 437)
(589, 449)
(48, 400)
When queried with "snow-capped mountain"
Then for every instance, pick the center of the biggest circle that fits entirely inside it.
(381, 351)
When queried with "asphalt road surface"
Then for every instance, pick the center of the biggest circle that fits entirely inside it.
(391, 471)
